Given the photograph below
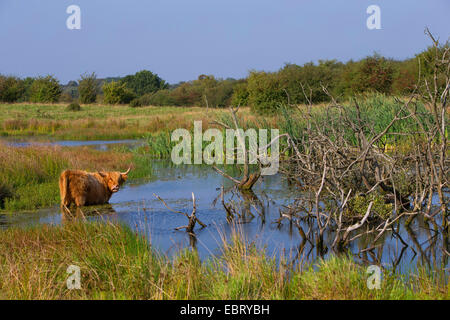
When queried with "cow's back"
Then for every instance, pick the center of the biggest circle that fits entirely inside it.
(84, 188)
(97, 190)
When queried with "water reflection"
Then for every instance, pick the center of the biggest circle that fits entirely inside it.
(102, 145)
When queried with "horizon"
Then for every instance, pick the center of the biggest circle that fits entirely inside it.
(112, 39)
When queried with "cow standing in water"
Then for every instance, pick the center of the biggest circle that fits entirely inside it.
(89, 188)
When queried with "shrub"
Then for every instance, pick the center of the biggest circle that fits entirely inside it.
(265, 92)
(298, 81)
(11, 89)
(374, 73)
(45, 89)
(73, 107)
(159, 98)
(88, 88)
(186, 94)
(117, 93)
(357, 206)
(220, 95)
(135, 103)
(27, 83)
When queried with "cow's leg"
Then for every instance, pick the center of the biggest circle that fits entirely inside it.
(80, 201)
(66, 202)
(66, 198)
(65, 209)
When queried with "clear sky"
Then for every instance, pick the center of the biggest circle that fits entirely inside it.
(180, 39)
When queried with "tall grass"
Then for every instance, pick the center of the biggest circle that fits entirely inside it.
(117, 263)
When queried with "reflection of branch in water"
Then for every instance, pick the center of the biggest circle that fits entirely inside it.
(193, 241)
(413, 237)
(241, 208)
(399, 258)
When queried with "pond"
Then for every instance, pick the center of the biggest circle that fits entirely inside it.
(136, 206)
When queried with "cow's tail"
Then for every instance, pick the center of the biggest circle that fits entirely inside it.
(63, 188)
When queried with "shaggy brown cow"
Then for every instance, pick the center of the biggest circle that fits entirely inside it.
(89, 188)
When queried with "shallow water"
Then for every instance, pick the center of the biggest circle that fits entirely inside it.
(96, 144)
(136, 206)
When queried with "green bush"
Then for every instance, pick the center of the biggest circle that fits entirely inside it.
(186, 94)
(135, 103)
(307, 81)
(116, 92)
(11, 89)
(27, 83)
(88, 88)
(357, 206)
(159, 98)
(45, 89)
(265, 92)
(372, 74)
(73, 107)
(219, 96)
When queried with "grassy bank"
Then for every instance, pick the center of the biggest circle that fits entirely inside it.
(116, 263)
(30, 174)
(97, 122)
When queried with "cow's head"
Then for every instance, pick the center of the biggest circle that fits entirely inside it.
(115, 179)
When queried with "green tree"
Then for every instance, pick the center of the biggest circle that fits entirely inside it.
(88, 88)
(405, 76)
(45, 89)
(427, 60)
(144, 82)
(117, 93)
(309, 80)
(27, 83)
(240, 94)
(374, 73)
(11, 89)
(186, 94)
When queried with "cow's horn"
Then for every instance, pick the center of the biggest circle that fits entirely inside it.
(125, 173)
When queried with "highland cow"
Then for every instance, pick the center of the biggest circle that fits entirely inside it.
(89, 188)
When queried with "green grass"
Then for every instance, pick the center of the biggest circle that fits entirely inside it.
(117, 263)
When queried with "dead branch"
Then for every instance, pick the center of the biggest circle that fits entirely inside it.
(192, 219)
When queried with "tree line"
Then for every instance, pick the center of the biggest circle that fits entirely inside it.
(263, 91)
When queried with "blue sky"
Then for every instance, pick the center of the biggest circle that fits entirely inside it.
(180, 39)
